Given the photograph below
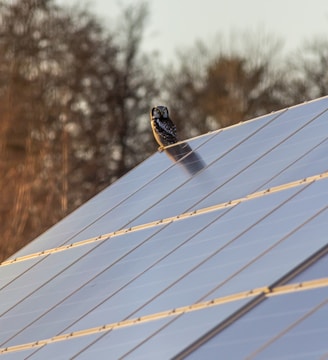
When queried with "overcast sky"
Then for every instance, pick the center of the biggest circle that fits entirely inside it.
(175, 24)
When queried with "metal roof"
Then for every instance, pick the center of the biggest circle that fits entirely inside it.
(217, 253)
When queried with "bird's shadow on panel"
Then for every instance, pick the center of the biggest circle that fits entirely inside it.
(186, 157)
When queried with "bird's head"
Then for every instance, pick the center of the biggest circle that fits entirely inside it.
(159, 112)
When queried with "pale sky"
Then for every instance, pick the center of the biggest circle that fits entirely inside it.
(177, 24)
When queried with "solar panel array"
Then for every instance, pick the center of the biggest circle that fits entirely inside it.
(218, 253)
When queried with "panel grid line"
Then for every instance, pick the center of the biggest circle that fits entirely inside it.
(263, 292)
(249, 136)
(293, 163)
(152, 265)
(286, 330)
(220, 206)
(75, 290)
(262, 156)
(266, 251)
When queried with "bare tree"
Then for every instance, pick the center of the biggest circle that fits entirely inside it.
(135, 86)
(217, 89)
(236, 91)
(307, 69)
(71, 98)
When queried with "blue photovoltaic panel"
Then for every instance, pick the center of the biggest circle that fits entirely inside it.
(161, 187)
(105, 203)
(118, 342)
(255, 258)
(148, 257)
(61, 350)
(318, 270)
(307, 337)
(251, 163)
(31, 279)
(105, 272)
(169, 339)
(17, 355)
(59, 280)
(276, 324)
(163, 269)
(160, 266)
(10, 273)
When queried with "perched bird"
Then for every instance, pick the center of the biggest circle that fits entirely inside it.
(164, 130)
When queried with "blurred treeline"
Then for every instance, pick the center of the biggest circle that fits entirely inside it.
(75, 94)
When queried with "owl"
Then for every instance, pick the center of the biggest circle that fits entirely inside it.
(164, 130)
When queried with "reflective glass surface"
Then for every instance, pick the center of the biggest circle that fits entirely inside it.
(64, 273)
(168, 340)
(8, 273)
(17, 355)
(317, 270)
(63, 350)
(111, 345)
(273, 330)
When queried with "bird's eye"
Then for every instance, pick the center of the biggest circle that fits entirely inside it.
(156, 113)
(165, 113)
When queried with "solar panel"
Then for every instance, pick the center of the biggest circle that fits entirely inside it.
(179, 331)
(281, 327)
(318, 269)
(184, 251)
(252, 163)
